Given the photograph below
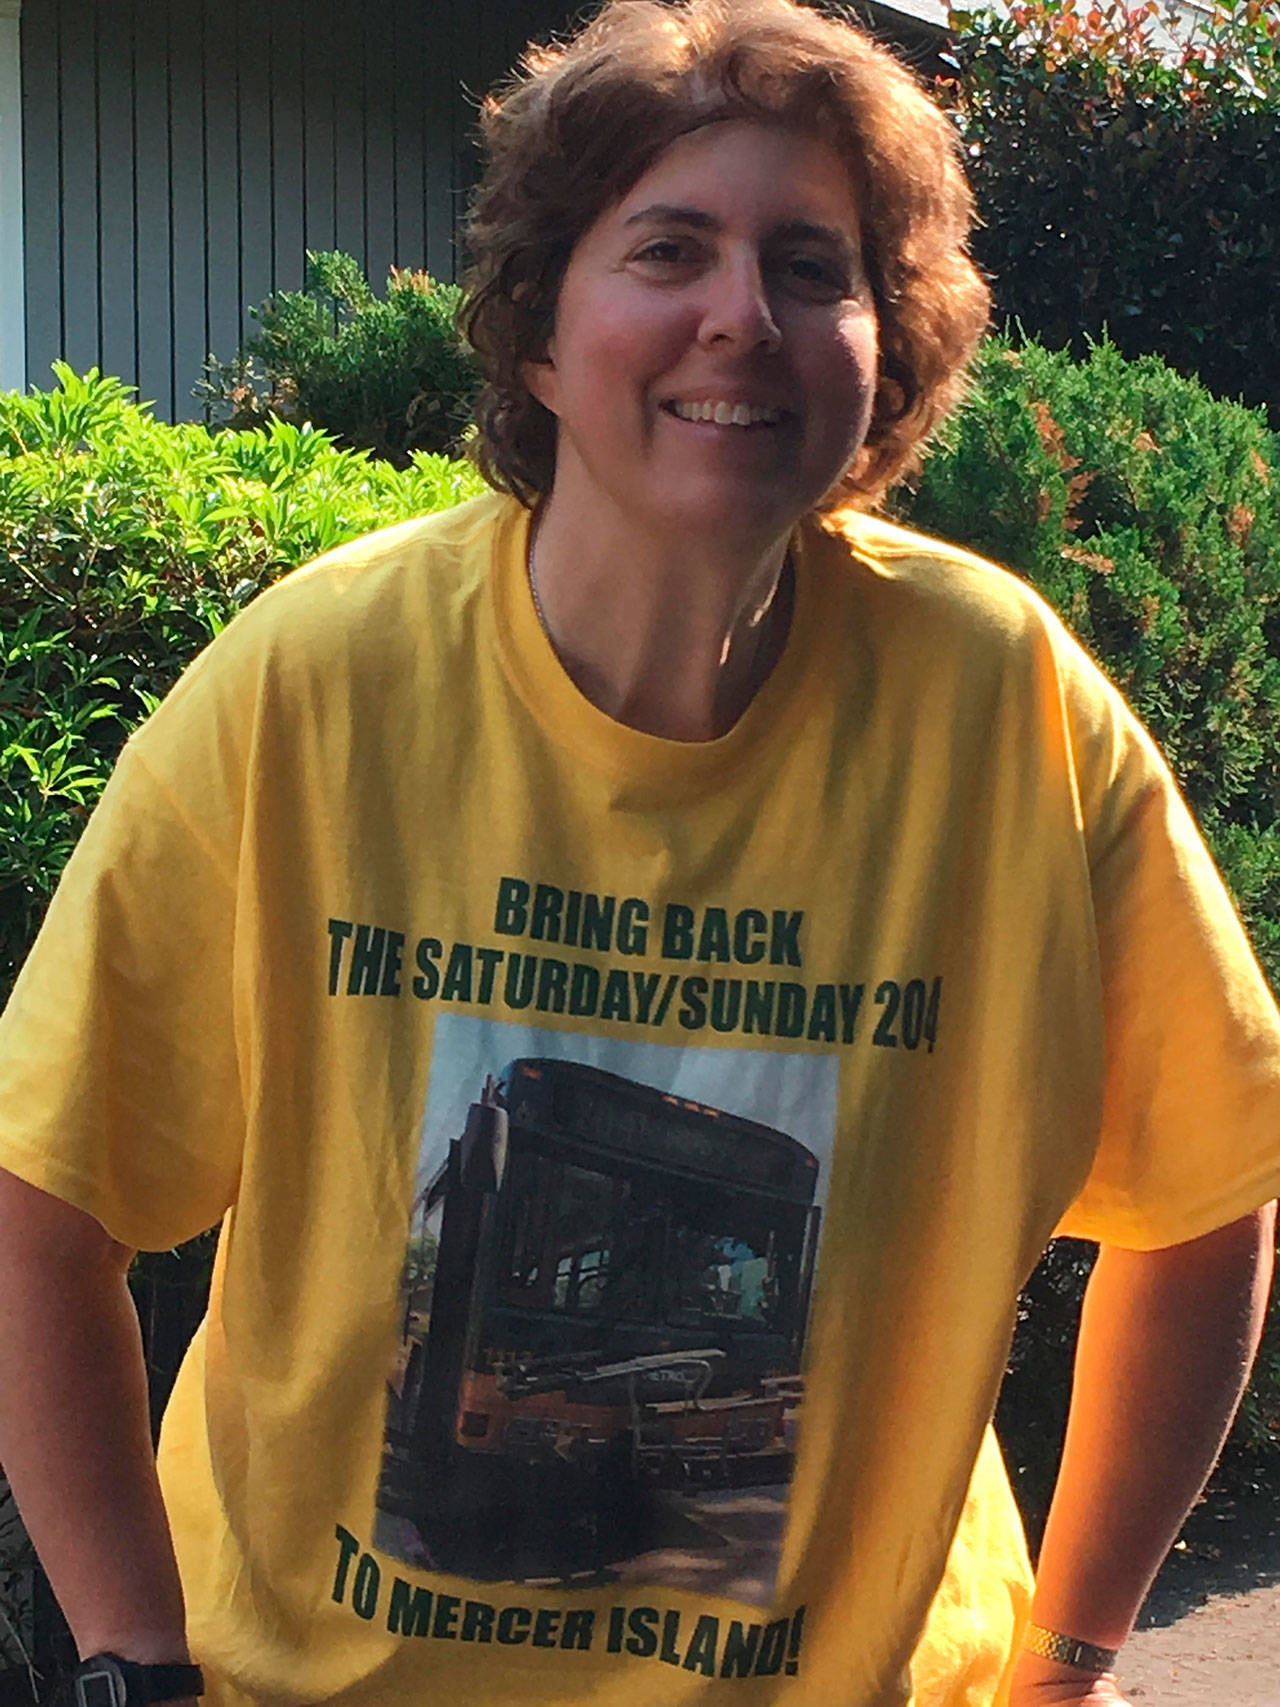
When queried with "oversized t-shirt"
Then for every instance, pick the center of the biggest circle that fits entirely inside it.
(629, 1150)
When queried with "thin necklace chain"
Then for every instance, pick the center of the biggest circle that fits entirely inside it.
(769, 614)
(533, 583)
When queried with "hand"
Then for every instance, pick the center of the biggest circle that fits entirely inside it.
(1043, 1683)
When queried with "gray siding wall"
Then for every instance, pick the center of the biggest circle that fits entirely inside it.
(180, 156)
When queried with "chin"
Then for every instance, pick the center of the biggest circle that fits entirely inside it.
(728, 512)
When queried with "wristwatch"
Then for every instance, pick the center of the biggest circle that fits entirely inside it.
(1068, 1650)
(105, 1680)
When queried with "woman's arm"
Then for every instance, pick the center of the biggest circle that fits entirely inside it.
(75, 1439)
(1167, 1338)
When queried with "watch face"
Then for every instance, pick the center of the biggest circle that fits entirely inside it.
(98, 1689)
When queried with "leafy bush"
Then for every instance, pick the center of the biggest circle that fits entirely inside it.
(389, 376)
(125, 544)
(1148, 513)
(1128, 189)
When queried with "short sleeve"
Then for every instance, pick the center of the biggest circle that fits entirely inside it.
(119, 1087)
(1190, 1135)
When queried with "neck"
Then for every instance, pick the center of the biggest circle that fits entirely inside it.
(671, 634)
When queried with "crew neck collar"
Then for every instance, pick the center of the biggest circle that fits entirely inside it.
(615, 749)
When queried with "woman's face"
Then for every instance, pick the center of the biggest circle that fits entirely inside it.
(713, 361)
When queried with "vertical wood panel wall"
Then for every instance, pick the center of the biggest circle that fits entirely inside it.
(13, 325)
(180, 156)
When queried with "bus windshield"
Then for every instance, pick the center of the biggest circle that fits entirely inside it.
(642, 1246)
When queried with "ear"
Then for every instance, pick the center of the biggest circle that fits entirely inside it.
(541, 379)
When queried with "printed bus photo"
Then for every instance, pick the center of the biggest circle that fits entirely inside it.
(603, 1308)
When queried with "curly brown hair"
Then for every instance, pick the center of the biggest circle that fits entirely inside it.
(580, 122)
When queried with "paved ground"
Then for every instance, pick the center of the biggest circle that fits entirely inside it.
(1210, 1633)
(1226, 1653)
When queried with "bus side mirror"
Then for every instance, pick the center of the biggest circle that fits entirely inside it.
(484, 1147)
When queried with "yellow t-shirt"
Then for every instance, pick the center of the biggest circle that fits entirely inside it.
(630, 1150)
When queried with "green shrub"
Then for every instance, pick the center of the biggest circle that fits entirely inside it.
(125, 544)
(389, 376)
(1148, 513)
(1128, 190)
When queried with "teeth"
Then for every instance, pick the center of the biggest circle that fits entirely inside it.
(727, 414)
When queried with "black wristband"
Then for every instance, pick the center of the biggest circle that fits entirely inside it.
(105, 1680)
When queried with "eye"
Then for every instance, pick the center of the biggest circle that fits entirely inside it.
(667, 253)
(815, 275)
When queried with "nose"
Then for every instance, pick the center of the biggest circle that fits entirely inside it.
(738, 311)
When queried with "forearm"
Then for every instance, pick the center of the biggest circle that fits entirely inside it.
(74, 1431)
(1166, 1342)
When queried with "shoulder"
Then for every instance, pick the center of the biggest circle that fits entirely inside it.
(933, 581)
(335, 637)
(947, 616)
(937, 596)
(417, 574)
(436, 557)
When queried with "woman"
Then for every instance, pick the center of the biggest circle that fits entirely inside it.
(642, 964)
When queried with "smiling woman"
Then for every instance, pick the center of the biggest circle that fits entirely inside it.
(719, 280)
(642, 962)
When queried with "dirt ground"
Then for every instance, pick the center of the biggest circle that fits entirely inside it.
(1210, 1633)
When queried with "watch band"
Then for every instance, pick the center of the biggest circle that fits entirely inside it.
(1068, 1650)
(106, 1680)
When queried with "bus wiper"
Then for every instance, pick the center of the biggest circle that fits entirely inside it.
(546, 1374)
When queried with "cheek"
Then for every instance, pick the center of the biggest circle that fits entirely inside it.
(852, 371)
(860, 340)
(610, 350)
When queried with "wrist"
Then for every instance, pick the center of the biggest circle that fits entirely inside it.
(1036, 1669)
(140, 1647)
(1070, 1650)
(110, 1680)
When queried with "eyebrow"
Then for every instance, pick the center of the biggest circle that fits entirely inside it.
(672, 214)
(806, 230)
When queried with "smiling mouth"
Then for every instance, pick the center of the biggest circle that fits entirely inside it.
(723, 414)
